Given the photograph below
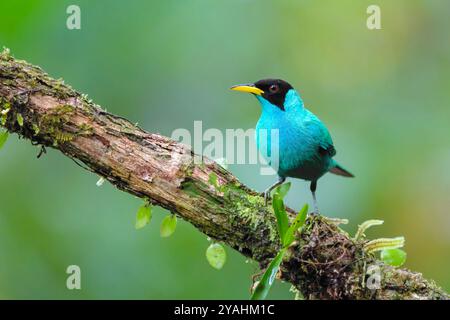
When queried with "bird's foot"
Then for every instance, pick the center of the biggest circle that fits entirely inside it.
(316, 207)
(315, 212)
(266, 195)
(267, 192)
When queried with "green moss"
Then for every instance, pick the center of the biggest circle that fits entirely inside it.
(85, 130)
(53, 125)
(212, 179)
(19, 72)
(4, 104)
(251, 209)
(244, 210)
(127, 130)
(190, 188)
(5, 107)
(198, 189)
(36, 129)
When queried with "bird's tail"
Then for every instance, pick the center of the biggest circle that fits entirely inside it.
(340, 171)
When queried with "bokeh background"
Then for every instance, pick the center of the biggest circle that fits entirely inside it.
(384, 94)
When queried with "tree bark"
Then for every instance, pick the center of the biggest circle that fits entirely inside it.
(323, 263)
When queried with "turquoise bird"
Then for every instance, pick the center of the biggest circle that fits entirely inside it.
(305, 148)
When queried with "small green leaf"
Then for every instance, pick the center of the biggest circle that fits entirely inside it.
(6, 108)
(36, 129)
(280, 214)
(393, 257)
(298, 222)
(100, 182)
(364, 226)
(384, 243)
(216, 255)
(20, 119)
(263, 287)
(4, 114)
(168, 226)
(283, 189)
(143, 216)
(3, 137)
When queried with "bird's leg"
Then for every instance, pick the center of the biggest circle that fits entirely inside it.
(269, 189)
(313, 188)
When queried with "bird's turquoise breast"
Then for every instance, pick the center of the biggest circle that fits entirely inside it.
(300, 136)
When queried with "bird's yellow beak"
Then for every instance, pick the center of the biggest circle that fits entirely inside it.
(250, 88)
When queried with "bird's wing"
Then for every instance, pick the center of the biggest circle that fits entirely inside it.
(330, 150)
(321, 135)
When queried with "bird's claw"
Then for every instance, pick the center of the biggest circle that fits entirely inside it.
(266, 195)
(315, 212)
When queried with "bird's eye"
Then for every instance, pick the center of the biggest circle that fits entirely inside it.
(273, 88)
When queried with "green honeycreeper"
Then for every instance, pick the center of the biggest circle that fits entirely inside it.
(305, 147)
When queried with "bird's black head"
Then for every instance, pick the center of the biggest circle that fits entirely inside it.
(273, 90)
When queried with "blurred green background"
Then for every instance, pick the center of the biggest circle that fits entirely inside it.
(384, 94)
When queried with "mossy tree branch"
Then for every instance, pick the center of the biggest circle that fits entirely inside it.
(323, 263)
